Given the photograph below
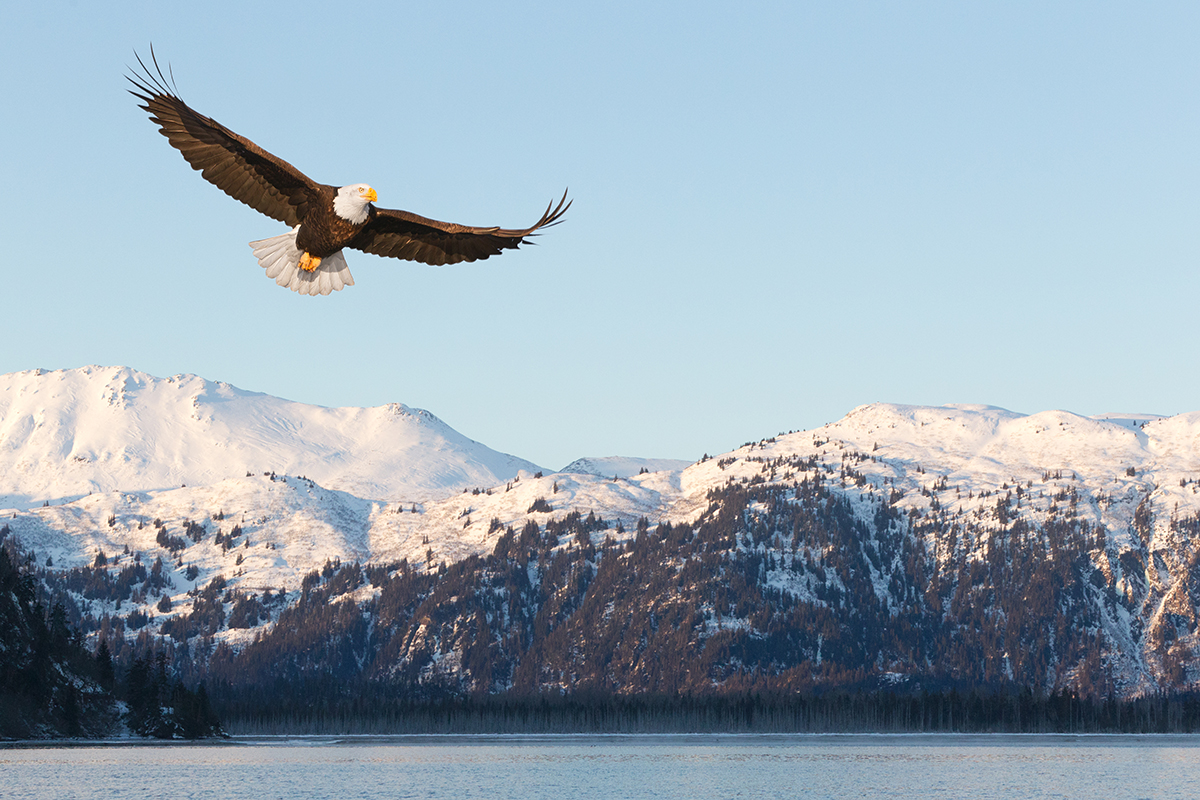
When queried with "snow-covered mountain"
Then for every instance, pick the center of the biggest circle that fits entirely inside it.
(933, 493)
(623, 466)
(68, 433)
(393, 482)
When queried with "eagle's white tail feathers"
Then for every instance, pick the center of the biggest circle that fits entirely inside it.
(281, 259)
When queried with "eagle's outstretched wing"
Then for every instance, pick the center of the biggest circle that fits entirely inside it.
(401, 234)
(234, 164)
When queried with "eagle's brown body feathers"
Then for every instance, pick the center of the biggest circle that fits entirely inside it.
(323, 235)
(272, 186)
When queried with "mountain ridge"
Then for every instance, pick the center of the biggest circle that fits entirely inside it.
(911, 516)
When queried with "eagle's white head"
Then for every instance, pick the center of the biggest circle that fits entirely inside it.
(351, 202)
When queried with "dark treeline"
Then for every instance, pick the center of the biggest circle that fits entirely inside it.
(163, 707)
(52, 685)
(49, 684)
(374, 709)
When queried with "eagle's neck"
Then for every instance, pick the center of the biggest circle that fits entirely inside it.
(351, 207)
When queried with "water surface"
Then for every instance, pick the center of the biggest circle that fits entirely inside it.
(599, 767)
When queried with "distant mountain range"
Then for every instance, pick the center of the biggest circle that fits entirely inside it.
(898, 544)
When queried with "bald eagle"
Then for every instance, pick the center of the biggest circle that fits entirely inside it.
(323, 219)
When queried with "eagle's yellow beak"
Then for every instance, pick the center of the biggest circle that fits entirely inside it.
(371, 196)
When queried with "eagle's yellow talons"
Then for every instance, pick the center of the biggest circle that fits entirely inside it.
(309, 263)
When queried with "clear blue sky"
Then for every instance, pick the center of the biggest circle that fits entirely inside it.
(782, 211)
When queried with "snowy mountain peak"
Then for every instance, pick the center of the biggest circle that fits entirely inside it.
(1129, 420)
(623, 466)
(987, 440)
(67, 433)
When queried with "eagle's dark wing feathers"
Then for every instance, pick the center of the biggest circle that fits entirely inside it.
(401, 234)
(234, 164)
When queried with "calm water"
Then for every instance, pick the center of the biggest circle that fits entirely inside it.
(565, 767)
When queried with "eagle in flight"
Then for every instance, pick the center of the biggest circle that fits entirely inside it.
(324, 219)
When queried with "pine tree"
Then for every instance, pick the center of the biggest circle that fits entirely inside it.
(105, 674)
